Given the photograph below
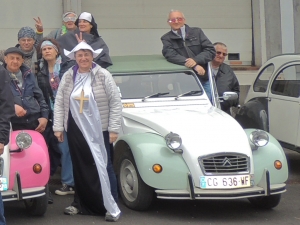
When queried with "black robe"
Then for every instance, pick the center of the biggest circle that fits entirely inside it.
(88, 194)
(68, 41)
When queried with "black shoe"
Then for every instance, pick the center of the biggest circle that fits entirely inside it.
(50, 199)
(65, 190)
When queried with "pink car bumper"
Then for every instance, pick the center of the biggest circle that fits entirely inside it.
(23, 181)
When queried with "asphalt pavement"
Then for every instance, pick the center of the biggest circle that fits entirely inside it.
(168, 212)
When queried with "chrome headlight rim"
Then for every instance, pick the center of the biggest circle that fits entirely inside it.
(173, 141)
(259, 138)
(23, 140)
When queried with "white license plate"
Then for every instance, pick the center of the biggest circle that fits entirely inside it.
(224, 182)
(3, 184)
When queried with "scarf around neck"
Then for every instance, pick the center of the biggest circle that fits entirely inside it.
(54, 77)
(30, 58)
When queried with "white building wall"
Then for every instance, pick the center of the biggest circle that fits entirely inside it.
(15, 14)
(135, 26)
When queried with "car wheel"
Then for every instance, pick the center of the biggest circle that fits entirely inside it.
(265, 202)
(37, 206)
(135, 193)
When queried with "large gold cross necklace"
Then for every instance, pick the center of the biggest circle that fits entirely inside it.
(82, 98)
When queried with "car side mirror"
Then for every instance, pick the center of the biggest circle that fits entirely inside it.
(230, 95)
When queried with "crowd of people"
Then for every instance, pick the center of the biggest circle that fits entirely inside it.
(49, 79)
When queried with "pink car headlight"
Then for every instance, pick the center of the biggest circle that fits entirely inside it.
(23, 140)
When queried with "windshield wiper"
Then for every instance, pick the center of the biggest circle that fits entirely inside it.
(188, 93)
(155, 95)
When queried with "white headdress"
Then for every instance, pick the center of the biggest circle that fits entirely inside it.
(82, 45)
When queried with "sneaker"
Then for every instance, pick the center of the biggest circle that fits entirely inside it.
(65, 190)
(110, 218)
(50, 199)
(71, 210)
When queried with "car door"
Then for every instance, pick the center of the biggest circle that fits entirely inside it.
(284, 104)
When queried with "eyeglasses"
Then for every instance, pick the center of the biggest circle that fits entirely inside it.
(224, 54)
(178, 19)
(69, 18)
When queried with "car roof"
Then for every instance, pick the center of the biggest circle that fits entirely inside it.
(280, 60)
(294, 55)
(283, 58)
(142, 63)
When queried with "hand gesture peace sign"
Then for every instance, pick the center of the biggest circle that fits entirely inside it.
(79, 38)
(38, 24)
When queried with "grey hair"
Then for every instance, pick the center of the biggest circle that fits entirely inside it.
(175, 10)
(220, 43)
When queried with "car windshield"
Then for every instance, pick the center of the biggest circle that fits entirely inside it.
(157, 84)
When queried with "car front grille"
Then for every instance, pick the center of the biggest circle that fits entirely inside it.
(224, 164)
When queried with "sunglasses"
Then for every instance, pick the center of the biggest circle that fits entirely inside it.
(224, 54)
(178, 19)
(69, 18)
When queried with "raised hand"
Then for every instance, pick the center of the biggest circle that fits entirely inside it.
(38, 24)
(79, 38)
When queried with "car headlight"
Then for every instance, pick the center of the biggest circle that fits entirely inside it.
(173, 141)
(259, 138)
(23, 140)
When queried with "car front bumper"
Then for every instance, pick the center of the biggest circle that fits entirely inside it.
(18, 193)
(263, 188)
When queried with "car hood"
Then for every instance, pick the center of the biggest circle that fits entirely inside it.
(209, 126)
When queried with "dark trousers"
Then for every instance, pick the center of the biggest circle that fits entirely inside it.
(88, 195)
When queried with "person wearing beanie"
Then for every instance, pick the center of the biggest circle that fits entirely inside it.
(27, 44)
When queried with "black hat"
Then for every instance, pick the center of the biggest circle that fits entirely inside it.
(14, 50)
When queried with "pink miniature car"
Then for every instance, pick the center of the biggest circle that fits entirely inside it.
(25, 171)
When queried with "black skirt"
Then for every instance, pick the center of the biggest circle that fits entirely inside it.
(88, 195)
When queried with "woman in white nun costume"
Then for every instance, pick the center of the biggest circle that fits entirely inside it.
(88, 107)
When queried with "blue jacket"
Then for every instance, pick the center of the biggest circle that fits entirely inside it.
(30, 97)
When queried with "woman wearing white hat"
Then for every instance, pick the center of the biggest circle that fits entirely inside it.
(88, 107)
